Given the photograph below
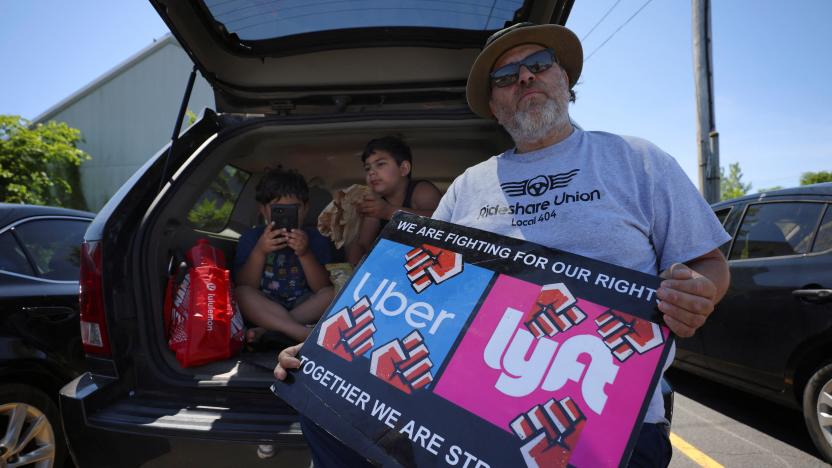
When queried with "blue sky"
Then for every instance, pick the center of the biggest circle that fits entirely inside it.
(772, 69)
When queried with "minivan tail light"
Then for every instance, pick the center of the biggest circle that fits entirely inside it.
(91, 300)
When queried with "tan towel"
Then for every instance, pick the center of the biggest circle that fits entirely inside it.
(339, 274)
(340, 219)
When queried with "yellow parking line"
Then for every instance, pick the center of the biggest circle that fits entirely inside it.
(693, 453)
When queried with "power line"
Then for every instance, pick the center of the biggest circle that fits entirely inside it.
(616, 31)
(601, 20)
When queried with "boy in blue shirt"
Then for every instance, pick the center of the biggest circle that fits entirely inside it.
(282, 284)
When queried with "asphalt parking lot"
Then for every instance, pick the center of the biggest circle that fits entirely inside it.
(715, 425)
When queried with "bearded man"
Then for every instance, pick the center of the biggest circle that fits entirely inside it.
(617, 199)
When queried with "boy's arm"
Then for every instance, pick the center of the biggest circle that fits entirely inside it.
(252, 270)
(425, 199)
(367, 233)
(316, 275)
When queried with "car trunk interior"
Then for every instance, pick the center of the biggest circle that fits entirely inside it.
(328, 156)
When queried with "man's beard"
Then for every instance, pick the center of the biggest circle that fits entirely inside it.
(535, 121)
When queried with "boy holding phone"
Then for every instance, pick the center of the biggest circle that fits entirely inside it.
(282, 284)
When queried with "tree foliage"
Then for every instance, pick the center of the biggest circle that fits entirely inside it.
(731, 186)
(214, 206)
(808, 178)
(37, 163)
(770, 189)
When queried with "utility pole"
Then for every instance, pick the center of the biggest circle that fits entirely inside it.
(706, 135)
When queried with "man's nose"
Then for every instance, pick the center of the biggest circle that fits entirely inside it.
(525, 76)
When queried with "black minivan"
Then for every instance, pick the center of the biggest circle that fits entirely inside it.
(299, 84)
(772, 333)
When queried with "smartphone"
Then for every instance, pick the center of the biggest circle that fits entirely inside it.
(285, 217)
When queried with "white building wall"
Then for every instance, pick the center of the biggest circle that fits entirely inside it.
(128, 115)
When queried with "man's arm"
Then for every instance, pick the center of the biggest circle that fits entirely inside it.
(690, 291)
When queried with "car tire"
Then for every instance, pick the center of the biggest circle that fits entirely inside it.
(817, 410)
(35, 410)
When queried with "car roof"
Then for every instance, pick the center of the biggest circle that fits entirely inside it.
(823, 189)
(10, 212)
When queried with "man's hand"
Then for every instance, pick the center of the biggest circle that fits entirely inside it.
(298, 241)
(271, 240)
(686, 298)
(286, 360)
(375, 207)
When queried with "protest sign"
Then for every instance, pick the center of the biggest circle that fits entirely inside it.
(452, 346)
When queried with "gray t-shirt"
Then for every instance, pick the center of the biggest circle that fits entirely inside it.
(618, 199)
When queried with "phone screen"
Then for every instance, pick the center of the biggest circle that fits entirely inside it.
(285, 216)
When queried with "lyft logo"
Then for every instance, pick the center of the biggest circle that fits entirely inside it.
(550, 364)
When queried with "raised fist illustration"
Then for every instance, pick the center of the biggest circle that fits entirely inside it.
(551, 431)
(403, 363)
(554, 311)
(428, 265)
(623, 334)
(349, 332)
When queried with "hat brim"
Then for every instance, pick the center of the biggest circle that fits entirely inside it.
(567, 49)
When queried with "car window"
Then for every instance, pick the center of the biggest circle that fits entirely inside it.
(12, 257)
(824, 238)
(213, 208)
(266, 20)
(54, 245)
(776, 229)
(722, 214)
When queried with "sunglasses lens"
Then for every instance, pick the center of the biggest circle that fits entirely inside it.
(505, 76)
(509, 74)
(539, 61)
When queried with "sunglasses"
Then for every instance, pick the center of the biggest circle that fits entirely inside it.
(537, 62)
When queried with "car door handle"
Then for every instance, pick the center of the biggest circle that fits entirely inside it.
(814, 295)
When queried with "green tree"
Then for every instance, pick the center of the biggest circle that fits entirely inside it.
(770, 189)
(191, 116)
(808, 178)
(731, 186)
(38, 162)
(214, 206)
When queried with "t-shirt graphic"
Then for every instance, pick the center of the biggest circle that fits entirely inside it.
(283, 280)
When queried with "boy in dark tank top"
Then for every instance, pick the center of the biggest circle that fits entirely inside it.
(388, 163)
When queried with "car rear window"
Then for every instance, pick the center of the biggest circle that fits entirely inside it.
(776, 229)
(213, 208)
(259, 20)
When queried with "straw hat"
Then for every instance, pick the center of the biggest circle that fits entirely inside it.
(564, 42)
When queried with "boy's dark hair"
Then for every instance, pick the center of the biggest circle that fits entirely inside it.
(279, 183)
(390, 144)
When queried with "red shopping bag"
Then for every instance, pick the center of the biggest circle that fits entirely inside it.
(202, 319)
